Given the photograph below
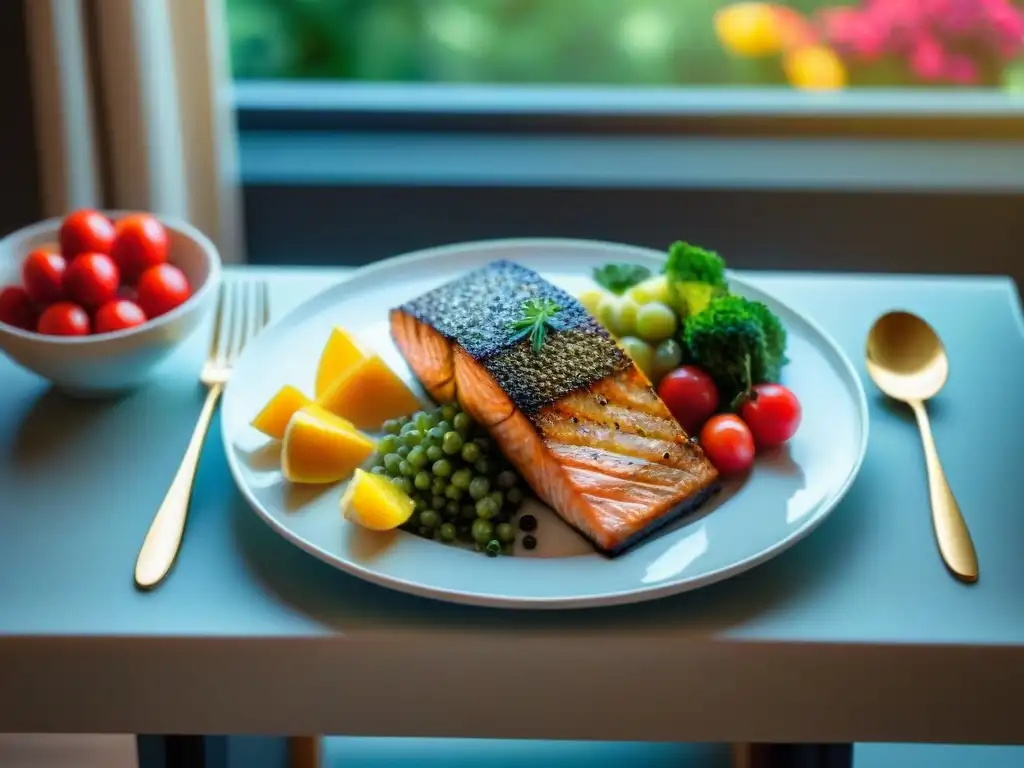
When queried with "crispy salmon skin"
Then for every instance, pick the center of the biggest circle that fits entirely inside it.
(581, 424)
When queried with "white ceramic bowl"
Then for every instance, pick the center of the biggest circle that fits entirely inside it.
(112, 362)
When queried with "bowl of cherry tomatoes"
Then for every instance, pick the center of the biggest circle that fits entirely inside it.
(93, 301)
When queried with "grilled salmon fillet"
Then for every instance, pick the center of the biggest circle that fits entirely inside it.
(581, 424)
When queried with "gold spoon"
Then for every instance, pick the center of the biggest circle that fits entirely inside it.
(907, 361)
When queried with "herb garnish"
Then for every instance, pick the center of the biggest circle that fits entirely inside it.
(538, 317)
(619, 278)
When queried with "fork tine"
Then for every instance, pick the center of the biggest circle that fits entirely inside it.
(231, 330)
(218, 324)
(265, 319)
(244, 323)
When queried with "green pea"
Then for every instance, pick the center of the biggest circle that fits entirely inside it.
(437, 502)
(442, 468)
(437, 486)
(493, 548)
(435, 434)
(514, 496)
(506, 533)
(434, 452)
(483, 466)
(379, 470)
(486, 508)
(387, 444)
(424, 421)
(498, 497)
(402, 482)
(406, 468)
(411, 438)
(445, 425)
(506, 479)
(462, 422)
(479, 488)
(448, 412)
(452, 443)
(452, 492)
(391, 462)
(392, 426)
(420, 504)
(407, 427)
(422, 480)
(403, 451)
(484, 443)
(462, 478)
(482, 531)
(451, 508)
(470, 452)
(429, 519)
(417, 457)
(448, 532)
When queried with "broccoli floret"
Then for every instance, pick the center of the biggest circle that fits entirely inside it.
(696, 276)
(774, 340)
(738, 342)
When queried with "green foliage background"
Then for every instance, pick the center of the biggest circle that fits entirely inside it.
(607, 42)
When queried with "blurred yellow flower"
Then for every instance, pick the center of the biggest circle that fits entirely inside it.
(748, 29)
(814, 68)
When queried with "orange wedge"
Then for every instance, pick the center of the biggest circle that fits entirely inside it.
(274, 417)
(320, 447)
(340, 354)
(374, 502)
(369, 394)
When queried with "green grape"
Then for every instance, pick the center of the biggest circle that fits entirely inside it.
(652, 289)
(639, 351)
(591, 299)
(656, 322)
(618, 314)
(667, 357)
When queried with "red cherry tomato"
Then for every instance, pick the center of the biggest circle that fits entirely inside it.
(161, 289)
(42, 274)
(728, 443)
(91, 279)
(85, 231)
(17, 309)
(117, 315)
(64, 319)
(141, 242)
(773, 414)
(691, 396)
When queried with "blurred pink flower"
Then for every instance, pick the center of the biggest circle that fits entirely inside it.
(961, 69)
(929, 35)
(927, 60)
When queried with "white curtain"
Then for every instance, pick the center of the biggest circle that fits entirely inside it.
(133, 110)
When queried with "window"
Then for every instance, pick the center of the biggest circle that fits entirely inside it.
(813, 44)
(632, 119)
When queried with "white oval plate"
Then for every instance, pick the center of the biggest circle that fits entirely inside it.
(785, 497)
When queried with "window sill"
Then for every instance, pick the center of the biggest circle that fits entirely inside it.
(683, 162)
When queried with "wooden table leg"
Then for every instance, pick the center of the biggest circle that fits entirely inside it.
(792, 756)
(304, 752)
(181, 751)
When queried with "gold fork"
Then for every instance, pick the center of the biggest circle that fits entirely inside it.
(243, 308)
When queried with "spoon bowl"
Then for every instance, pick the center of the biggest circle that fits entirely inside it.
(906, 359)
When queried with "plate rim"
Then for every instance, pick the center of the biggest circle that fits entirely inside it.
(608, 599)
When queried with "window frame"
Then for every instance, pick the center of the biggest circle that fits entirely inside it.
(772, 138)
